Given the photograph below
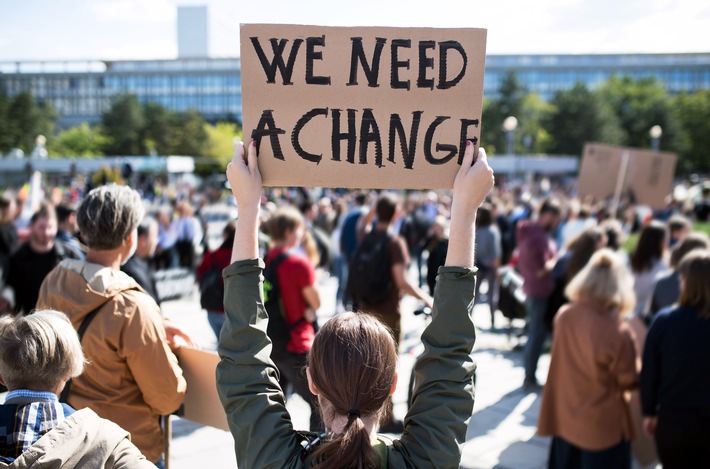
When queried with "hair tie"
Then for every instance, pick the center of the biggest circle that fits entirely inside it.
(353, 413)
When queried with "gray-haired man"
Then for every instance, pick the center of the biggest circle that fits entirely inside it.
(134, 376)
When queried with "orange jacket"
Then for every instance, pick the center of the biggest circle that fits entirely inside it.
(132, 376)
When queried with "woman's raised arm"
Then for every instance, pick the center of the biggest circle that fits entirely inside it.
(245, 182)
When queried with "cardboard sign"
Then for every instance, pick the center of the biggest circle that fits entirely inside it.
(646, 177)
(360, 106)
(201, 403)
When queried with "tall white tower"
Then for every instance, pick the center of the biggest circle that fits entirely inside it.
(192, 32)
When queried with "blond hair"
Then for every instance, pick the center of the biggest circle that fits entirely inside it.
(606, 280)
(39, 351)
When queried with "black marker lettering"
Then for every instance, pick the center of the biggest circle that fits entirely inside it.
(267, 128)
(397, 128)
(277, 46)
(443, 51)
(358, 55)
(369, 132)
(429, 138)
(311, 55)
(336, 136)
(465, 124)
(395, 82)
(425, 62)
(296, 134)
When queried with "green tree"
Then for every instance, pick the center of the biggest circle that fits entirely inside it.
(81, 140)
(694, 112)
(124, 124)
(640, 104)
(26, 119)
(580, 116)
(158, 130)
(188, 136)
(534, 137)
(508, 103)
(220, 145)
(5, 127)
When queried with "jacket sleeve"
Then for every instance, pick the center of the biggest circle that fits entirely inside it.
(126, 456)
(153, 365)
(247, 379)
(442, 403)
(650, 371)
(624, 366)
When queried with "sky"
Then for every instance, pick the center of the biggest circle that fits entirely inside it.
(146, 29)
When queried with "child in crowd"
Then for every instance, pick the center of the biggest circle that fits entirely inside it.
(39, 353)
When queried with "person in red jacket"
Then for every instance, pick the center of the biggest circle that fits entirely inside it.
(217, 260)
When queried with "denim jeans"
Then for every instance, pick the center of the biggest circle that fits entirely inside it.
(216, 320)
(536, 308)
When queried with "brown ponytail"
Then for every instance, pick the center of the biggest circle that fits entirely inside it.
(352, 364)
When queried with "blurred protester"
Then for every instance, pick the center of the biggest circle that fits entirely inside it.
(166, 254)
(39, 353)
(701, 210)
(137, 266)
(414, 228)
(647, 261)
(675, 383)
(437, 246)
(488, 257)
(574, 258)
(35, 258)
(348, 242)
(319, 239)
(615, 235)
(189, 234)
(67, 229)
(666, 285)
(578, 220)
(134, 377)
(300, 298)
(9, 242)
(209, 277)
(593, 362)
(535, 249)
(326, 218)
(678, 228)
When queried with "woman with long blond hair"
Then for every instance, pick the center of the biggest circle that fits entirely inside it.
(675, 381)
(593, 363)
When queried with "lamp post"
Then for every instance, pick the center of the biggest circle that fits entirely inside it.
(655, 133)
(509, 125)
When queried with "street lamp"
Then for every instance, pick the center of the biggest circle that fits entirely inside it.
(509, 125)
(655, 133)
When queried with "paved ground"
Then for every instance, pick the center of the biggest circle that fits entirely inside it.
(502, 430)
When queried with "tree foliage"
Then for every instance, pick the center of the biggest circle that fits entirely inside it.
(22, 119)
(579, 117)
(694, 113)
(82, 140)
(124, 124)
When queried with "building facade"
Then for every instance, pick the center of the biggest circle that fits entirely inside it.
(82, 91)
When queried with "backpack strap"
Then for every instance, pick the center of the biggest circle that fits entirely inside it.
(80, 332)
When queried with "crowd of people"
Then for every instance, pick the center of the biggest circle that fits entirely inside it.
(625, 319)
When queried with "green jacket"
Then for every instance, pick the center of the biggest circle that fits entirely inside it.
(247, 380)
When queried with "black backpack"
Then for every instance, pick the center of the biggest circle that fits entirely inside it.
(278, 330)
(212, 290)
(370, 269)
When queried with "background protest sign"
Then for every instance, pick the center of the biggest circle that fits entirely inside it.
(201, 403)
(644, 176)
(368, 107)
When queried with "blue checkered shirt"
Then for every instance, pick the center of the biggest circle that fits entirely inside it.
(25, 417)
